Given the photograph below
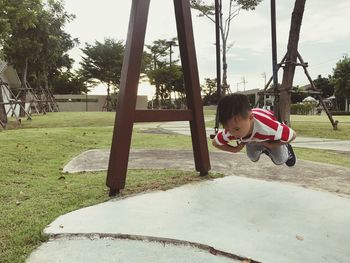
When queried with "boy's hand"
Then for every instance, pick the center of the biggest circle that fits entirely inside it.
(240, 145)
(230, 148)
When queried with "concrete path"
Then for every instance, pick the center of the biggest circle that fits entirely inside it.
(266, 221)
(323, 144)
(106, 248)
(223, 220)
(182, 127)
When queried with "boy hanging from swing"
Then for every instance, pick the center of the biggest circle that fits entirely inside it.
(257, 129)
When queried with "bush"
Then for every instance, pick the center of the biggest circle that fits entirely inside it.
(302, 108)
(340, 113)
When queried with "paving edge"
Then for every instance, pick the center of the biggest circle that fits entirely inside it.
(164, 241)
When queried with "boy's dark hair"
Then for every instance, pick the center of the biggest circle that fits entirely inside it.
(231, 106)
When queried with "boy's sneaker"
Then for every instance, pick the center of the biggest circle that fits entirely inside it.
(291, 156)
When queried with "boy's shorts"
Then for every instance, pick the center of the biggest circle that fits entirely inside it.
(279, 155)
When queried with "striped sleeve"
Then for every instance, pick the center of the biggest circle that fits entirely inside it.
(285, 133)
(268, 113)
(223, 137)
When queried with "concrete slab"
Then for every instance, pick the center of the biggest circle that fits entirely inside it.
(266, 221)
(94, 249)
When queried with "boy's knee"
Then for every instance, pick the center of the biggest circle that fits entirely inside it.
(254, 156)
(281, 156)
(279, 160)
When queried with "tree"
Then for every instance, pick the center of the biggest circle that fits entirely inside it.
(325, 85)
(37, 43)
(291, 58)
(4, 22)
(167, 78)
(103, 61)
(341, 78)
(209, 90)
(68, 83)
(159, 51)
(298, 96)
(234, 8)
(22, 45)
(55, 41)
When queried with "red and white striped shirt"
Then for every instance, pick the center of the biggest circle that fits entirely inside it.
(266, 128)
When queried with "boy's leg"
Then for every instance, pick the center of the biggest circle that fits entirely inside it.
(254, 151)
(279, 155)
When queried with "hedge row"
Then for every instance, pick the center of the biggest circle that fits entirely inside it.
(303, 109)
(340, 112)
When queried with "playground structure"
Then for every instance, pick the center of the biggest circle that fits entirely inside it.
(127, 114)
(313, 90)
(23, 100)
(40, 98)
(289, 61)
(26, 102)
(11, 101)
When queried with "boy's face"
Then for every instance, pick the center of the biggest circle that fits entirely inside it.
(239, 126)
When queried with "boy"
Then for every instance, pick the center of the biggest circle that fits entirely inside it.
(257, 129)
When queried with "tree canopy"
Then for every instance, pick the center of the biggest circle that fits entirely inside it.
(34, 38)
(325, 86)
(209, 91)
(103, 62)
(341, 78)
(207, 9)
(69, 83)
(164, 71)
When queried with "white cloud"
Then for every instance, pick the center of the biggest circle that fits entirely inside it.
(324, 34)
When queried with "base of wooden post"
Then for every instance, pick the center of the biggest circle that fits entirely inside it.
(114, 192)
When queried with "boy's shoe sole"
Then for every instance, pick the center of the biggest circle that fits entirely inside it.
(292, 158)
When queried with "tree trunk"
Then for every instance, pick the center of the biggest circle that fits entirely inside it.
(45, 94)
(23, 92)
(289, 69)
(224, 58)
(108, 99)
(224, 69)
(3, 116)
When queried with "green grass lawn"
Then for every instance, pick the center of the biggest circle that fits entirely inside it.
(320, 126)
(34, 191)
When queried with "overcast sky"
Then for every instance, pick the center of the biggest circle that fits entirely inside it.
(324, 39)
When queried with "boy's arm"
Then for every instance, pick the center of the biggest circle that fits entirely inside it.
(228, 147)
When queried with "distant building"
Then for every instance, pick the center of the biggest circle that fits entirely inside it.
(253, 96)
(70, 102)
